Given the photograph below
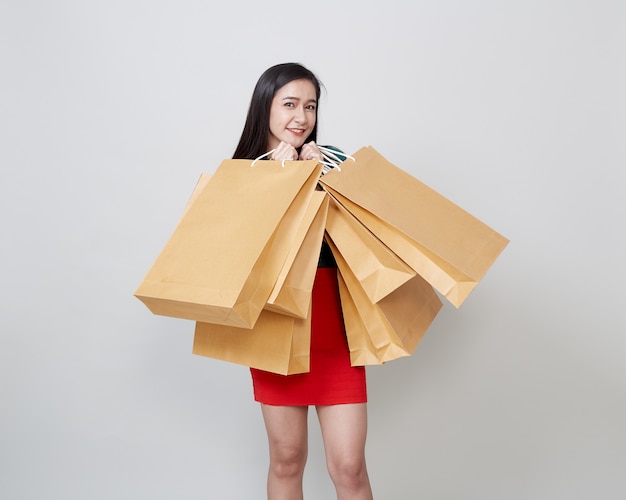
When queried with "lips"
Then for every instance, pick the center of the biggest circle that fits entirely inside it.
(296, 131)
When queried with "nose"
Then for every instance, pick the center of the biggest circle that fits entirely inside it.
(300, 114)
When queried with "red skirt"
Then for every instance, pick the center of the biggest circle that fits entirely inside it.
(331, 380)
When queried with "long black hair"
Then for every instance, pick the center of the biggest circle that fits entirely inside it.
(255, 135)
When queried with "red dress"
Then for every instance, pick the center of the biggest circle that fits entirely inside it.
(331, 380)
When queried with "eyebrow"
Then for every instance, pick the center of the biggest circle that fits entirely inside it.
(297, 99)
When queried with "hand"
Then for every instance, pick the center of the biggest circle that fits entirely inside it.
(310, 151)
(284, 151)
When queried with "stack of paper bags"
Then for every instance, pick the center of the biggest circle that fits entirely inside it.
(242, 260)
(396, 241)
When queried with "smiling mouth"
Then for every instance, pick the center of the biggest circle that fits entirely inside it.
(297, 131)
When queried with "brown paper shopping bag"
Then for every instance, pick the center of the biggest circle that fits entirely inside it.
(362, 349)
(376, 267)
(200, 185)
(277, 343)
(223, 258)
(443, 243)
(293, 290)
(392, 327)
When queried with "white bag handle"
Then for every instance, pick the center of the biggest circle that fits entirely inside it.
(329, 160)
(263, 156)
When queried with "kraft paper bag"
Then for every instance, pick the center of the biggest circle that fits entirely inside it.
(362, 350)
(224, 256)
(200, 185)
(447, 246)
(376, 267)
(293, 290)
(277, 343)
(392, 327)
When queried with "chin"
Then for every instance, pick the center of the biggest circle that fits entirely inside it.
(296, 144)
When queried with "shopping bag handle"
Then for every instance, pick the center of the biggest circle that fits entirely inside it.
(329, 160)
(282, 164)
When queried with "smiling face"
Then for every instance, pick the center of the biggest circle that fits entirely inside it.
(293, 114)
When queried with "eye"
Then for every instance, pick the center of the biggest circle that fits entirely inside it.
(289, 104)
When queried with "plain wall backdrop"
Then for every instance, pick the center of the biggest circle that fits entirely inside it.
(109, 112)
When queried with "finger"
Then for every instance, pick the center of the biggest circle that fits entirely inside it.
(284, 151)
(310, 151)
(289, 152)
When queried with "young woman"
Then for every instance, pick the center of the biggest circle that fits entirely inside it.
(282, 118)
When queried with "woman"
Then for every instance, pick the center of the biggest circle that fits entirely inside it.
(282, 119)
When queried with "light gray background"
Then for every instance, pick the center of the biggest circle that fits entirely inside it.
(110, 111)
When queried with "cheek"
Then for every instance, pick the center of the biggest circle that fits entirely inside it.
(274, 121)
(277, 117)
